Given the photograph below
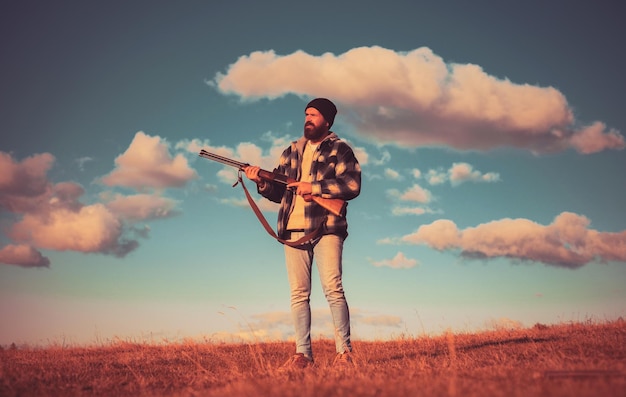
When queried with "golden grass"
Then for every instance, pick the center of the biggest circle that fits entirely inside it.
(563, 360)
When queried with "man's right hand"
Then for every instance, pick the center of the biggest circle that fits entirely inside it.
(252, 172)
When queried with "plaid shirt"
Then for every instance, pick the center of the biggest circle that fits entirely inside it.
(336, 173)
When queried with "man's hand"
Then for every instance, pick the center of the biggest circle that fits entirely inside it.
(252, 172)
(302, 189)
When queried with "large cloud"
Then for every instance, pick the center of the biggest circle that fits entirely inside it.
(42, 215)
(147, 163)
(415, 98)
(566, 242)
(92, 228)
(50, 215)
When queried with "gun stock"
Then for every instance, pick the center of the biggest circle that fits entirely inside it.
(335, 206)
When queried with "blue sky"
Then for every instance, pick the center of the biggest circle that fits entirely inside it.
(490, 137)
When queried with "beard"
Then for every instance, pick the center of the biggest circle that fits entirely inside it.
(314, 133)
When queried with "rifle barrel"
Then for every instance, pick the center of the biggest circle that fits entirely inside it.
(223, 160)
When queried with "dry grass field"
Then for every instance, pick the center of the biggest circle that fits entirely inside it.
(587, 359)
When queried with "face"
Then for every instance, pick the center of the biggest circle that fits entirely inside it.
(315, 125)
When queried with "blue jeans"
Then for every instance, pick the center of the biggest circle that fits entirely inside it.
(327, 251)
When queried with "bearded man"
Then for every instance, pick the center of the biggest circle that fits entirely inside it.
(322, 165)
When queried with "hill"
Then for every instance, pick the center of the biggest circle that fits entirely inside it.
(581, 359)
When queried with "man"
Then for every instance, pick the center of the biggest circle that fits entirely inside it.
(325, 166)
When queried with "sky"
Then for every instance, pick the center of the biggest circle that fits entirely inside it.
(490, 136)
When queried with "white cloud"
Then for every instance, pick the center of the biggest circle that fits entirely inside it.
(436, 177)
(414, 194)
(361, 155)
(82, 161)
(400, 211)
(397, 262)
(459, 173)
(385, 157)
(415, 98)
(51, 216)
(392, 174)
(92, 228)
(464, 172)
(417, 194)
(566, 242)
(147, 163)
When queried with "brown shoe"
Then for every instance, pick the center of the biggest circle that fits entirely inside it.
(343, 361)
(296, 362)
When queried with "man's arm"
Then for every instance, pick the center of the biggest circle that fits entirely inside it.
(272, 191)
(346, 183)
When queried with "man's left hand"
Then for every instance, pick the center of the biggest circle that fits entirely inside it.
(302, 189)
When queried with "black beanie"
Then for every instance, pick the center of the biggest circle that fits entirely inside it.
(325, 107)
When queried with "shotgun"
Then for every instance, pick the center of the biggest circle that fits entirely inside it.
(335, 206)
